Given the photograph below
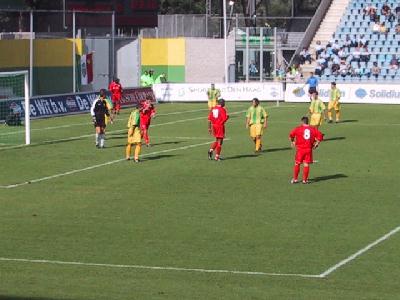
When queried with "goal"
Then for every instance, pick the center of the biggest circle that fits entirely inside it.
(14, 108)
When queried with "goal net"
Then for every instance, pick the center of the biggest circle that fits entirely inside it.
(14, 118)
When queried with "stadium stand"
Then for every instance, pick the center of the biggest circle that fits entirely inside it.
(364, 45)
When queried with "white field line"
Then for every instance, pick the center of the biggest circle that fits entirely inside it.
(109, 132)
(97, 166)
(88, 123)
(359, 252)
(117, 120)
(72, 263)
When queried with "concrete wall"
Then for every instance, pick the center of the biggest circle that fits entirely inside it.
(101, 63)
(128, 62)
(205, 59)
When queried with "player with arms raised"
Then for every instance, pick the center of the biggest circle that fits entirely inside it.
(216, 126)
(147, 112)
(116, 90)
(304, 138)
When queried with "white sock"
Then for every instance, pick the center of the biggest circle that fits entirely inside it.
(102, 136)
(97, 139)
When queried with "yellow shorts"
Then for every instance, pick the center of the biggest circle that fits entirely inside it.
(316, 119)
(134, 136)
(334, 104)
(212, 103)
(256, 130)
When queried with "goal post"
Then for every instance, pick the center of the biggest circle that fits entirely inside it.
(14, 107)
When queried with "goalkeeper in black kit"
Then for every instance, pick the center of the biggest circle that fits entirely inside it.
(99, 111)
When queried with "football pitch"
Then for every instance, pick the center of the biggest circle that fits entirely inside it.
(78, 222)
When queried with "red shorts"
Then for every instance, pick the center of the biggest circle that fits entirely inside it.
(219, 131)
(145, 125)
(304, 156)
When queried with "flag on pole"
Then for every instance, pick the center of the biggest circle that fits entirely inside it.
(89, 67)
(86, 68)
(84, 75)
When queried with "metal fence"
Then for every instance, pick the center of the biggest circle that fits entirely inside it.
(170, 26)
(52, 44)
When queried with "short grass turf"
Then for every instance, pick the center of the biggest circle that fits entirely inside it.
(177, 209)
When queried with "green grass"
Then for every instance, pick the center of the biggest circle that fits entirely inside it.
(177, 209)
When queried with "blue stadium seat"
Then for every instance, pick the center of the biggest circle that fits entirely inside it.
(381, 47)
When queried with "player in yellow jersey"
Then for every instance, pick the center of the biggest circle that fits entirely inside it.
(334, 104)
(134, 134)
(316, 110)
(213, 94)
(256, 120)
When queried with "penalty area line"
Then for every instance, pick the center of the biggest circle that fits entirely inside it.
(11, 186)
(123, 266)
(360, 252)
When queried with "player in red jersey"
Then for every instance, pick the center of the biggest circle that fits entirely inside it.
(216, 126)
(116, 95)
(146, 114)
(304, 138)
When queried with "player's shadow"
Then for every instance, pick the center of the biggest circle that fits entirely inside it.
(3, 297)
(337, 138)
(168, 143)
(240, 156)
(329, 177)
(116, 137)
(276, 149)
(348, 121)
(157, 157)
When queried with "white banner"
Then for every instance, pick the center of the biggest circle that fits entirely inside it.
(350, 93)
(176, 92)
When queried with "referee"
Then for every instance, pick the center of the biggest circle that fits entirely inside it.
(312, 82)
(99, 111)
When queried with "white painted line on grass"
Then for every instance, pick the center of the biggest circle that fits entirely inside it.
(360, 252)
(11, 186)
(109, 132)
(72, 263)
(89, 123)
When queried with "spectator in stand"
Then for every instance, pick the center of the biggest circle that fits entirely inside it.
(343, 68)
(323, 62)
(342, 53)
(289, 76)
(318, 49)
(362, 41)
(369, 9)
(305, 56)
(335, 68)
(375, 70)
(373, 17)
(347, 42)
(376, 27)
(397, 10)
(358, 71)
(397, 29)
(335, 47)
(318, 70)
(356, 54)
(391, 18)
(394, 62)
(364, 54)
(386, 11)
(383, 29)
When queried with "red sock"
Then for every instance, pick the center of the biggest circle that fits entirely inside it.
(296, 171)
(146, 137)
(306, 171)
(218, 149)
(213, 146)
